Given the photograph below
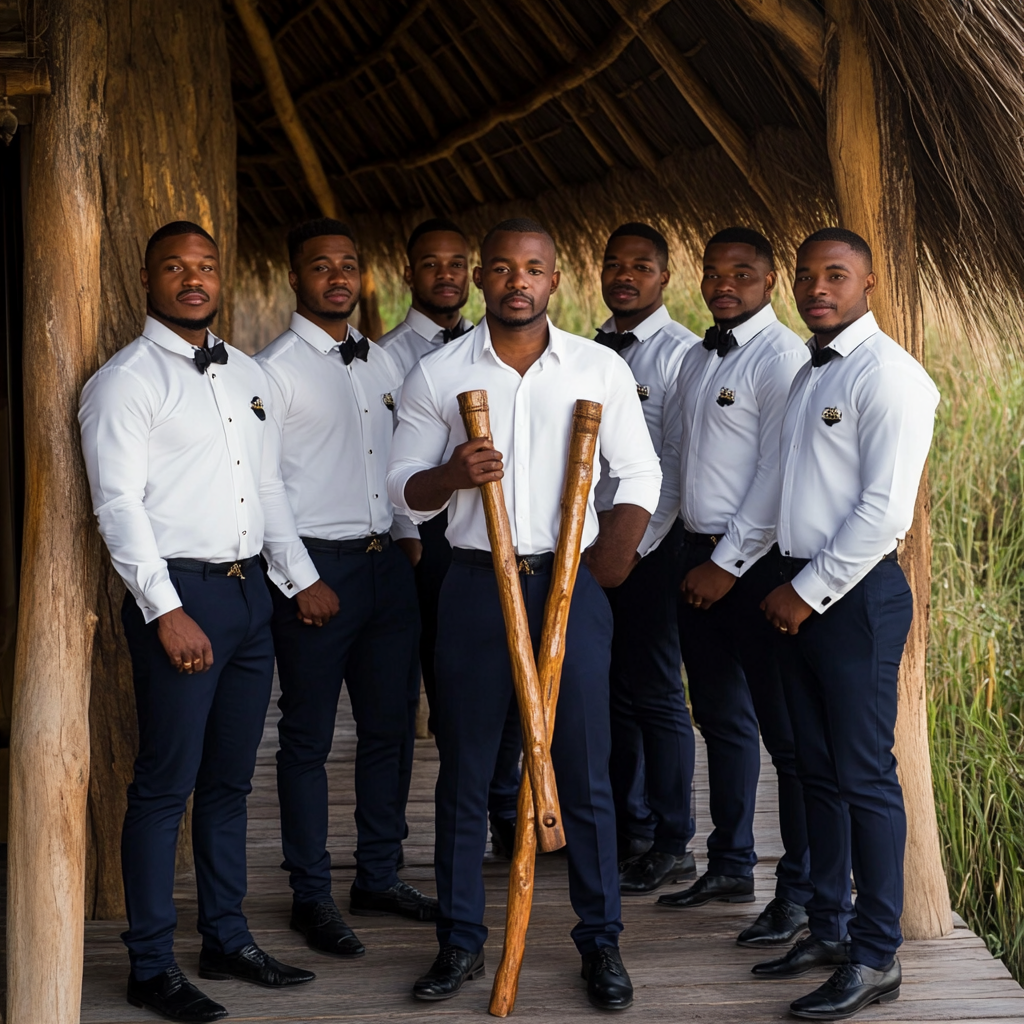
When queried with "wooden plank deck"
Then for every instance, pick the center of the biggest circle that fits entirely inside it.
(685, 965)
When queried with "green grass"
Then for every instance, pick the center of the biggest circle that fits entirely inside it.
(976, 649)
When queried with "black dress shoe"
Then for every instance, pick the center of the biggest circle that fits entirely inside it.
(777, 925)
(631, 847)
(707, 888)
(503, 837)
(250, 964)
(325, 929)
(652, 870)
(173, 996)
(450, 969)
(608, 984)
(803, 957)
(401, 899)
(848, 991)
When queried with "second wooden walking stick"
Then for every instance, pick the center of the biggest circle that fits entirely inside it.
(579, 472)
(536, 744)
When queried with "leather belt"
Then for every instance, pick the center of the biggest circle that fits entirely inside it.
(791, 566)
(703, 540)
(204, 569)
(357, 546)
(528, 565)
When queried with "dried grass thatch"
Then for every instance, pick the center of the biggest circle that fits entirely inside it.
(385, 87)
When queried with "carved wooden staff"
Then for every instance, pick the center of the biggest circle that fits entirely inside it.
(536, 745)
(579, 472)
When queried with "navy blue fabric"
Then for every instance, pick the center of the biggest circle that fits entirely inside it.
(652, 735)
(196, 732)
(430, 574)
(370, 646)
(840, 673)
(475, 699)
(736, 683)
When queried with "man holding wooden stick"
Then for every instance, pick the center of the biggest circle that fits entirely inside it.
(533, 373)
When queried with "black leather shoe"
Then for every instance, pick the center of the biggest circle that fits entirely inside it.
(173, 996)
(652, 870)
(803, 957)
(777, 925)
(325, 929)
(608, 984)
(631, 847)
(250, 964)
(848, 991)
(401, 899)
(450, 969)
(503, 837)
(707, 888)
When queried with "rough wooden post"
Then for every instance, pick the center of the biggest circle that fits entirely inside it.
(50, 731)
(875, 194)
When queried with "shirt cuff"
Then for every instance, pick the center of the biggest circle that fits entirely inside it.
(302, 575)
(729, 557)
(809, 586)
(159, 600)
(402, 528)
(642, 492)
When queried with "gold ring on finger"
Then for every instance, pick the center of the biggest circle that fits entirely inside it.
(783, 629)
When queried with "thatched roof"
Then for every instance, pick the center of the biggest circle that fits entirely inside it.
(474, 108)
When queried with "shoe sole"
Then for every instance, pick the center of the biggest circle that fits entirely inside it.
(609, 1009)
(761, 944)
(139, 1004)
(477, 972)
(888, 997)
(218, 976)
(794, 974)
(742, 898)
(414, 916)
(688, 876)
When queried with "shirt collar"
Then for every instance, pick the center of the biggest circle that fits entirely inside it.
(749, 329)
(166, 338)
(426, 328)
(317, 336)
(856, 334)
(482, 343)
(647, 328)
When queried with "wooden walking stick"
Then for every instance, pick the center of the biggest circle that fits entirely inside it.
(536, 745)
(579, 472)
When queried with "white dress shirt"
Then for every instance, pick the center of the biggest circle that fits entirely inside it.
(336, 426)
(415, 337)
(531, 417)
(654, 358)
(181, 465)
(721, 458)
(855, 439)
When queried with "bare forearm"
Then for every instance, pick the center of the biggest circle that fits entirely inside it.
(613, 555)
(429, 489)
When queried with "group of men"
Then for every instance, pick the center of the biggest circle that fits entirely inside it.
(320, 504)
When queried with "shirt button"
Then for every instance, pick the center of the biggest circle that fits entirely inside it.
(371, 451)
(229, 419)
(376, 495)
(238, 462)
(243, 533)
(214, 376)
(241, 499)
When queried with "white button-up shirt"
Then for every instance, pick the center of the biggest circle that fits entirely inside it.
(654, 359)
(721, 459)
(855, 439)
(531, 418)
(183, 465)
(336, 426)
(415, 337)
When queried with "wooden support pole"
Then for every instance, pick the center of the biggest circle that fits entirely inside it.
(579, 475)
(798, 29)
(875, 195)
(288, 116)
(50, 728)
(536, 746)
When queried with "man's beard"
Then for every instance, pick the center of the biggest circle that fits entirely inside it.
(735, 321)
(312, 303)
(437, 310)
(185, 322)
(508, 322)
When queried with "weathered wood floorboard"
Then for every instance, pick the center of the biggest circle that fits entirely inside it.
(685, 965)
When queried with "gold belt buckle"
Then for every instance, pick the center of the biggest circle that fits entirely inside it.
(374, 545)
(236, 570)
(525, 569)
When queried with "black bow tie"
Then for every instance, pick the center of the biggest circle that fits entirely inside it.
(719, 340)
(820, 356)
(204, 356)
(618, 342)
(354, 350)
(452, 332)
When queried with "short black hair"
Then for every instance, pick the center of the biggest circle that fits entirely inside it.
(434, 224)
(176, 227)
(635, 229)
(518, 226)
(851, 238)
(301, 233)
(745, 236)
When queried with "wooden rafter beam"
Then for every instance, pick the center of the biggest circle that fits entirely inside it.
(558, 84)
(798, 28)
(704, 103)
(24, 76)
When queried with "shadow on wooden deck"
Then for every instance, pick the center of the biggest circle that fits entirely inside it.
(685, 965)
